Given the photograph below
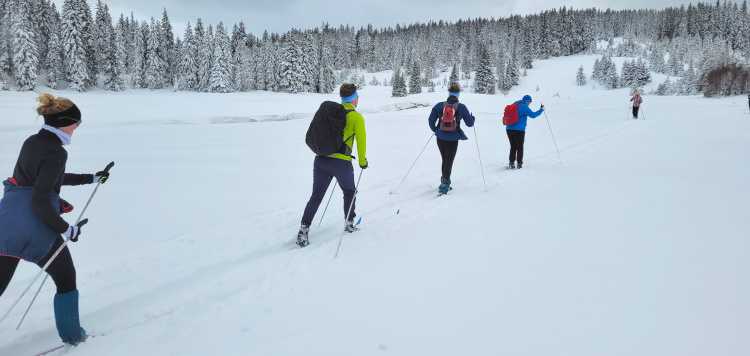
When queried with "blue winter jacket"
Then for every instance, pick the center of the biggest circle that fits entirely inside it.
(22, 233)
(523, 112)
(462, 113)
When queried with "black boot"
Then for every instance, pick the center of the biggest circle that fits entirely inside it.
(511, 165)
(302, 240)
(520, 165)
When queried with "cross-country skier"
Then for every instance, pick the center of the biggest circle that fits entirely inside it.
(338, 165)
(517, 132)
(30, 221)
(637, 100)
(445, 121)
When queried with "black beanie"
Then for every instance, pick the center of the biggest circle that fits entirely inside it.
(64, 118)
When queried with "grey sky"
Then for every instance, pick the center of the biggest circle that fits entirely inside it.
(281, 15)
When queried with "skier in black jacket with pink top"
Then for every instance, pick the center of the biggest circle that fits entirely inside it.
(30, 222)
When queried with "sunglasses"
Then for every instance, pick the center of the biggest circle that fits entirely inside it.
(77, 121)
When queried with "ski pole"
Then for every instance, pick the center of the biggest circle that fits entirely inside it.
(415, 162)
(46, 265)
(553, 137)
(329, 202)
(630, 110)
(476, 139)
(349, 212)
(642, 114)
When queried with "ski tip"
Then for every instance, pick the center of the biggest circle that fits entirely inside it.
(358, 221)
(398, 211)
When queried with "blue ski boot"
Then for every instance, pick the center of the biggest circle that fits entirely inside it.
(445, 186)
(67, 320)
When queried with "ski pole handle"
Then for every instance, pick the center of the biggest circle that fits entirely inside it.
(109, 166)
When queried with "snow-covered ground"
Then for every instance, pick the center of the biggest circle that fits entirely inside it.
(638, 243)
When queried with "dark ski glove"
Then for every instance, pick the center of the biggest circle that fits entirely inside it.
(75, 230)
(65, 207)
(101, 177)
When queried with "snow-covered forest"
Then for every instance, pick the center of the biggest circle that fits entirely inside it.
(703, 48)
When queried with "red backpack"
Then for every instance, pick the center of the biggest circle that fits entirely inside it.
(510, 116)
(448, 121)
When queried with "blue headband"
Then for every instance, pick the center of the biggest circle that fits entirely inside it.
(454, 94)
(349, 98)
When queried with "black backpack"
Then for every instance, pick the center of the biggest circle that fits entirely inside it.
(326, 131)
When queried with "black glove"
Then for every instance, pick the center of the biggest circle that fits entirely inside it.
(542, 107)
(75, 230)
(365, 166)
(101, 177)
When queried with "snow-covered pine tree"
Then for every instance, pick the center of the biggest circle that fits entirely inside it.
(502, 82)
(398, 84)
(154, 63)
(205, 57)
(580, 77)
(596, 73)
(415, 78)
(54, 62)
(291, 75)
(140, 35)
(454, 75)
(511, 70)
(326, 74)
(238, 45)
(611, 78)
(187, 68)
(202, 57)
(166, 48)
(76, 45)
(627, 75)
(484, 81)
(642, 76)
(100, 34)
(221, 72)
(25, 59)
(108, 58)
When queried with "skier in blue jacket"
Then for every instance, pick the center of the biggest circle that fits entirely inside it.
(517, 132)
(30, 221)
(448, 135)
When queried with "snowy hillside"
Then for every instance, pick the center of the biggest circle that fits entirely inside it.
(636, 244)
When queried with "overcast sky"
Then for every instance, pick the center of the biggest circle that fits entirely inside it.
(282, 15)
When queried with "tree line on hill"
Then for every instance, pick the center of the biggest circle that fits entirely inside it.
(706, 46)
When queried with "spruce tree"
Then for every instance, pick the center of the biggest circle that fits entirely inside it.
(221, 73)
(484, 81)
(326, 74)
(398, 84)
(187, 68)
(54, 62)
(76, 45)
(25, 59)
(166, 48)
(454, 75)
(291, 76)
(154, 69)
(580, 77)
(415, 79)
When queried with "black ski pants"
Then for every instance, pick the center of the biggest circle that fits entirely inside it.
(324, 169)
(448, 151)
(635, 111)
(61, 269)
(516, 138)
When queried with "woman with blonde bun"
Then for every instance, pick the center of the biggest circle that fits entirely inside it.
(30, 221)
